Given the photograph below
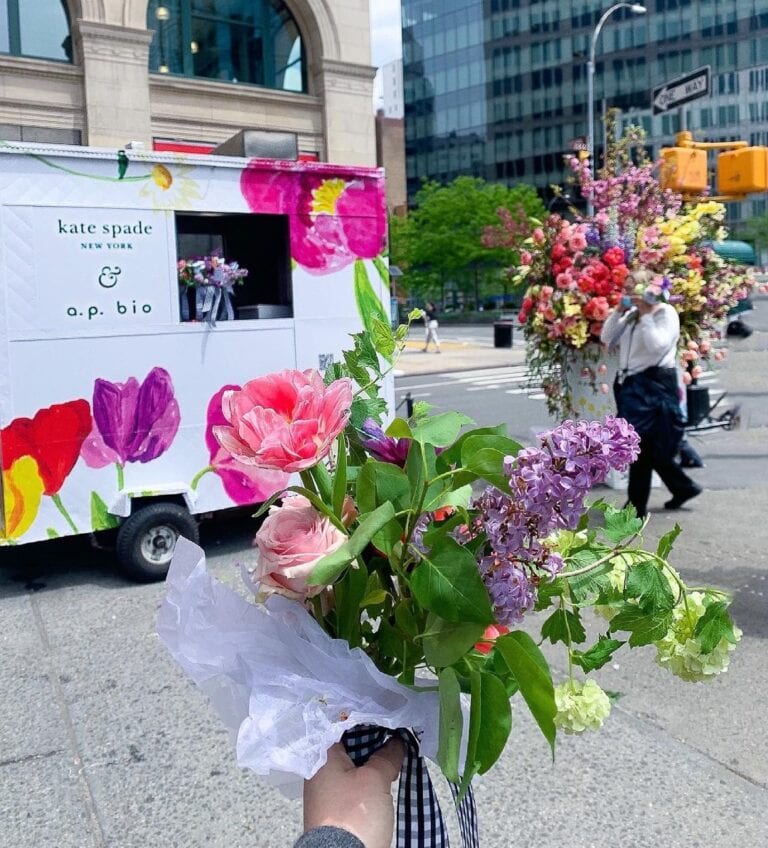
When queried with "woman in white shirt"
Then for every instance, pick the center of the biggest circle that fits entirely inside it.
(646, 332)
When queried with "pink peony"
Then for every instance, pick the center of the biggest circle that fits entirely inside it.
(285, 421)
(291, 541)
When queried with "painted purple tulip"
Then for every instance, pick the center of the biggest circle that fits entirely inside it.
(382, 447)
(133, 422)
(244, 484)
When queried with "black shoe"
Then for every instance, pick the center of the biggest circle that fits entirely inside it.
(678, 500)
(739, 328)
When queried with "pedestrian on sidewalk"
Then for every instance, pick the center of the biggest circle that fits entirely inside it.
(431, 325)
(646, 330)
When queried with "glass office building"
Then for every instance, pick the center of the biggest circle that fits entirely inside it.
(498, 88)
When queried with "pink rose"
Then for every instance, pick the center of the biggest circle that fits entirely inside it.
(704, 348)
(525, 257)
(577, 242)
(547, 292)
(285, 421)
(538, 236)
(291, 541)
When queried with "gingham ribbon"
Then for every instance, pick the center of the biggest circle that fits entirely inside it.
(420, 821)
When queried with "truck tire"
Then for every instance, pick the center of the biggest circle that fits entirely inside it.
(145, 540)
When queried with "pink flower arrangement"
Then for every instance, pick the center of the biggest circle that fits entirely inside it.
(286, 421)
(292, 540)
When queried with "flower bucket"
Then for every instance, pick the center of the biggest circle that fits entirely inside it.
(589, 374)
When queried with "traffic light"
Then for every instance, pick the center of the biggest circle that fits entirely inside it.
(742, 171)
(684, 169)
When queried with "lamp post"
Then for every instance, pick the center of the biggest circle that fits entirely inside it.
(636, 9)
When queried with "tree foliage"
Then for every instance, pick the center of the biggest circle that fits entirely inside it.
(442, 238)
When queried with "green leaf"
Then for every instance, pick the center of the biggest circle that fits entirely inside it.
(440, 430)
(647, 583)
(331, 565)
(446, 642)
(382, 482)
(447, 582)
(645, 628)
(564, 626)
(451, 497)
(598, 655)
(101, 518)
(528, 666)
(451, 724)
(666, 542)
(452, 456)
(369, 307)
(488, 464)
(340, 477)
(383, 338)
(620, 524)
(548, 591)
(348, 594)
(713, 626)
(490, 721)
(584, 587)
(405, 620)
(374, 598)
(51, 533)
(399, 429)
(383, 270)
(355, 370)
(474, 443)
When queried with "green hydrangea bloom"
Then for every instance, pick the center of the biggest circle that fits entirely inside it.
(580, 706)
(681, 653)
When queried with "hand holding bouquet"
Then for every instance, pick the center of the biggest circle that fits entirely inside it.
(391, 581)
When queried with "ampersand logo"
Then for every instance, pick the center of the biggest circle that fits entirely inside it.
(108, 276)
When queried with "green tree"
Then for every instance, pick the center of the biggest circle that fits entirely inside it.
(441, 241)
(756, 232)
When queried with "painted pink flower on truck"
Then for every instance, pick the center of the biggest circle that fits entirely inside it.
(244, 484)
(333, 220)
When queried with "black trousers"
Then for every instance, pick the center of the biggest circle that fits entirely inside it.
(672, 475)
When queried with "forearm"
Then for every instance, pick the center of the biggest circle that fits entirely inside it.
(610, 325)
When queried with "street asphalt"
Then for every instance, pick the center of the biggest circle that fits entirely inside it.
(104, 743)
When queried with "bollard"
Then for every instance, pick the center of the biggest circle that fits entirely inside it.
(408, 405)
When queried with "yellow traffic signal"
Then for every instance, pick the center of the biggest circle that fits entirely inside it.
(684, 169)
(743, 171)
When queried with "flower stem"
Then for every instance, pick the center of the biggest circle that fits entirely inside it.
(308, 481)
(89, 176)
(68, 518)
(199, 476)
(120, 477)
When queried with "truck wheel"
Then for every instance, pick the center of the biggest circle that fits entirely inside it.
(145, 540)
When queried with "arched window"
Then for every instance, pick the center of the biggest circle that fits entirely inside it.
(39, 29)
(245, 41)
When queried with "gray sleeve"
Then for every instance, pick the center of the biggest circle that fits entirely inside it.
(328, 837)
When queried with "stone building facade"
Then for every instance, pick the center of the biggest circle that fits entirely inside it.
(97, 80)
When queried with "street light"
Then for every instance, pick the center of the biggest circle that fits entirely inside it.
(636, 9)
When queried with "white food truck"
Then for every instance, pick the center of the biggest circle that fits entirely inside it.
(122, 324)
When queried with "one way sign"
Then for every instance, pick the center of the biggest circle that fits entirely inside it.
(682, 90)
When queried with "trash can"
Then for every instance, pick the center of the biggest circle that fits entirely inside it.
(502, 334)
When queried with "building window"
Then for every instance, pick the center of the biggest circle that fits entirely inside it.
(242, 41)
(39, 30)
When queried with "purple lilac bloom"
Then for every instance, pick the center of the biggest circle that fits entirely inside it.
(382, 447)
(133, 422)
(547, 487)
(512, 593)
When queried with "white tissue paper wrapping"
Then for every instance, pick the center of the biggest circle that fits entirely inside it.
(278, 681)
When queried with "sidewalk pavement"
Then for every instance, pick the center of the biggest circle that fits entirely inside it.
(456, 355)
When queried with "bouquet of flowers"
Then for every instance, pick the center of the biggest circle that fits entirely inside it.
(213, 279)
(210, 271)
(389, 585)
(575, 271)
